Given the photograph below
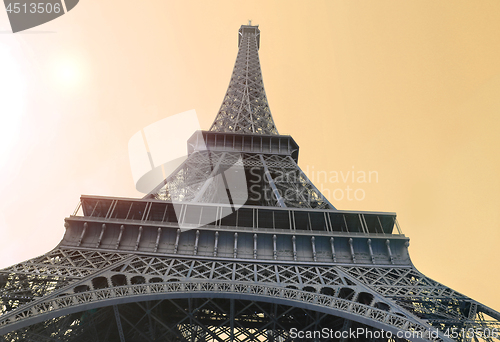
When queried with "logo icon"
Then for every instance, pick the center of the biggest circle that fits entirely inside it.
(24, 15)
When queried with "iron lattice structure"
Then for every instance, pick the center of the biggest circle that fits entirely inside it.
(245, 108)
(285, 258)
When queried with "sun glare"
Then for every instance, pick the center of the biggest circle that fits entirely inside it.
(12, 102)
(69, 72)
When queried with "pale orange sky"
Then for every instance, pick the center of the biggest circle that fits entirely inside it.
(409, 89)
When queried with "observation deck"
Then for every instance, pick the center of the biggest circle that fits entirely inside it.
(266, 234)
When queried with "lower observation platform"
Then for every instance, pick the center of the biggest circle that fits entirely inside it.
(266, 234)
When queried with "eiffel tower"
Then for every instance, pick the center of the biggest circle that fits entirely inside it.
(203, 259)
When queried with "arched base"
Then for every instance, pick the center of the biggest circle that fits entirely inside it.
(196, 319)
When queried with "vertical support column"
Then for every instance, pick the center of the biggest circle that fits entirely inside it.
(294, 244)
(122, 228)
(85, 226)
(138, 239)
(334, 255)
(103, 228)
(196, 242)
(176, 246)
(313, 245)
(216, 242)
(255, 246)
(275, 254)
(371, 250)
(352, 250)
(388, 244)
(157, 239)
(235, 249)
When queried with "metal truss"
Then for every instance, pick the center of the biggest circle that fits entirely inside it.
(35, 278)
(271, 180)
(190, 319)
(245, 108)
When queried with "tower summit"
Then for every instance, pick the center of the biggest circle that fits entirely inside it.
(245, 108)
(235, 245)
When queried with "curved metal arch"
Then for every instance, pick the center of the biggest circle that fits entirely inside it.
(77, 302)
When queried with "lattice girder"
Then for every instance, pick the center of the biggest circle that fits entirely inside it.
(204, 319)
(346, 308)
(425, 298)
(32, 279)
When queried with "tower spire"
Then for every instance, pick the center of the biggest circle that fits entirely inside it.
(245, 108)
